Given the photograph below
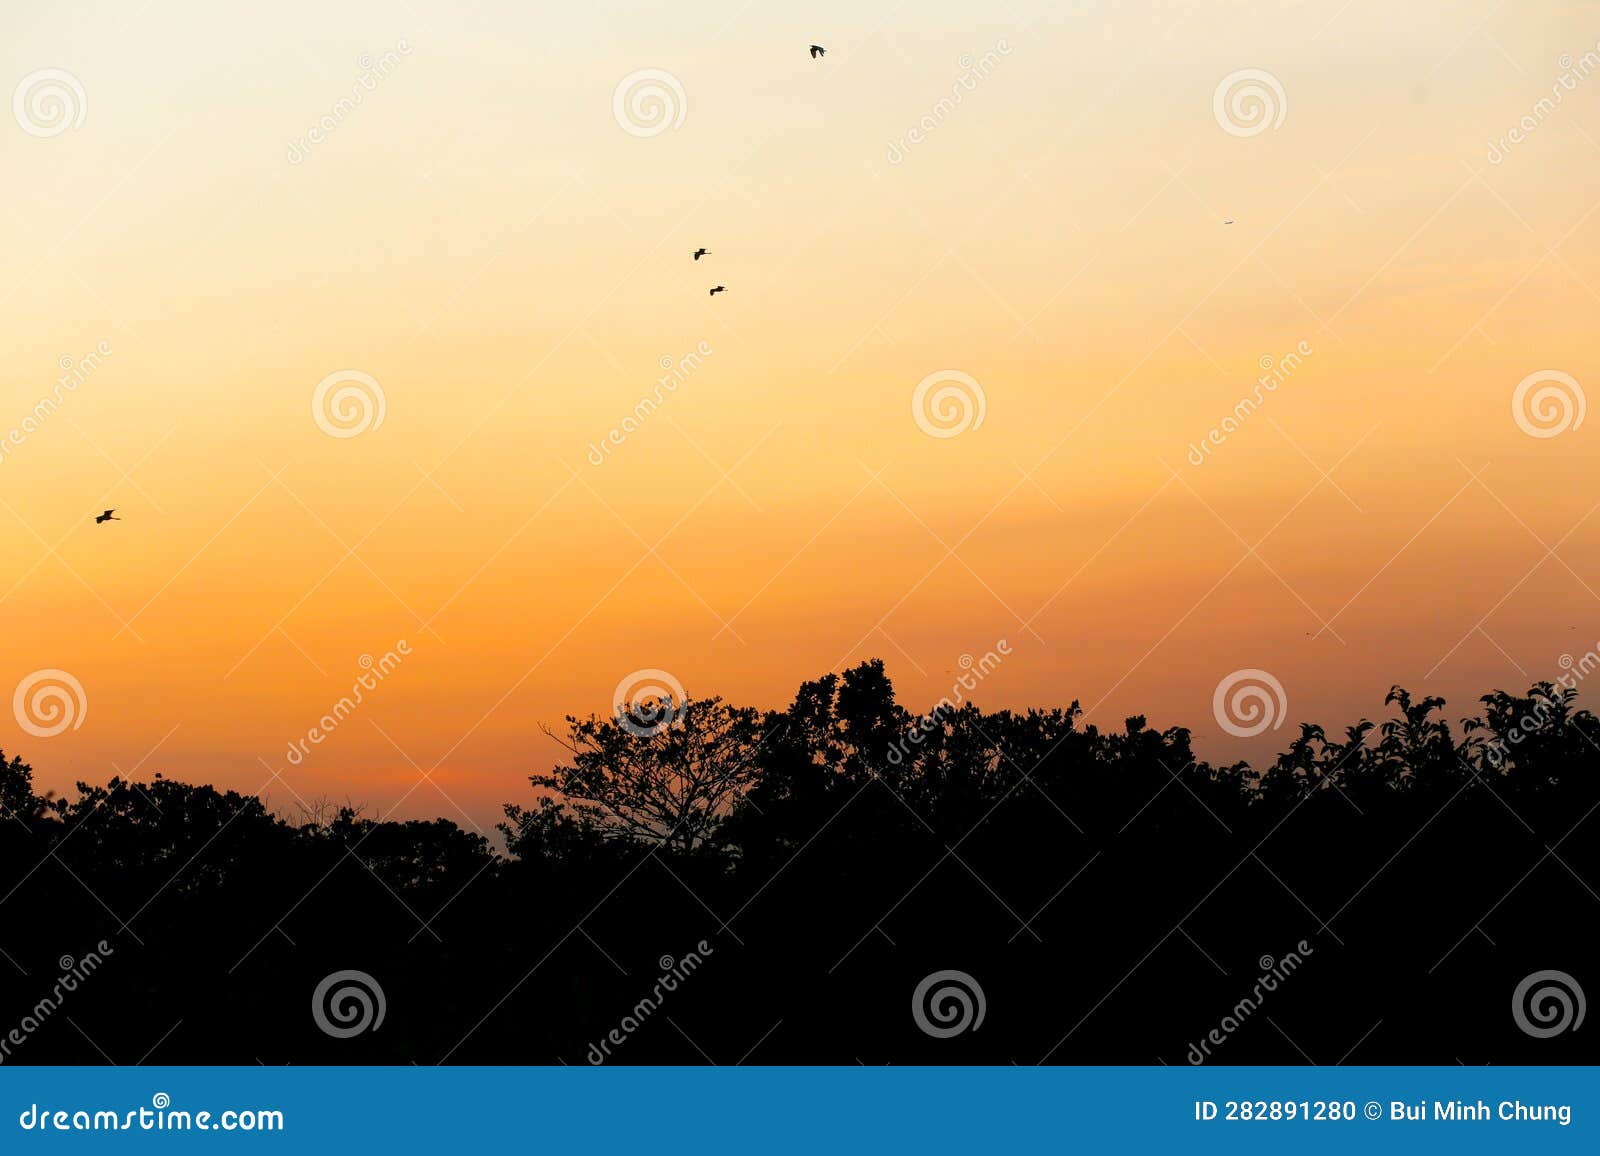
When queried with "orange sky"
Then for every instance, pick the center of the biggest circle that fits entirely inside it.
(483, 237)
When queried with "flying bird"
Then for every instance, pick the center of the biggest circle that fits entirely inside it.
(817, 50)
(108, 516)
(698, 253)
(1229, 221)
(719, 289)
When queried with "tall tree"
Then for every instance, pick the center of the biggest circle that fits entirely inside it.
(671, 783)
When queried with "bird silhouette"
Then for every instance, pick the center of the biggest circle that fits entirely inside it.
(817, 50)
(1229, 221)
(107, 517)
(698, 253)
(719, 289)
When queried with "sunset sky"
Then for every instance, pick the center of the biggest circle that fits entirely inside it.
(484, 237)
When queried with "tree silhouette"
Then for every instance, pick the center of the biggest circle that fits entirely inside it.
(1112, 894)
(671, 782)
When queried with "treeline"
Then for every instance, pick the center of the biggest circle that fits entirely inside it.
(843, 881)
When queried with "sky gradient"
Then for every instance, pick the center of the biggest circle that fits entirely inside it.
(483, 237)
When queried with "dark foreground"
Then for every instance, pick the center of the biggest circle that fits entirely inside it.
(791, 887)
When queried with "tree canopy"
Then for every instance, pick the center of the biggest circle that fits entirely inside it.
(1111, 893)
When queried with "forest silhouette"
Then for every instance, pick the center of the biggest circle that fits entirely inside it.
(1114, 898)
